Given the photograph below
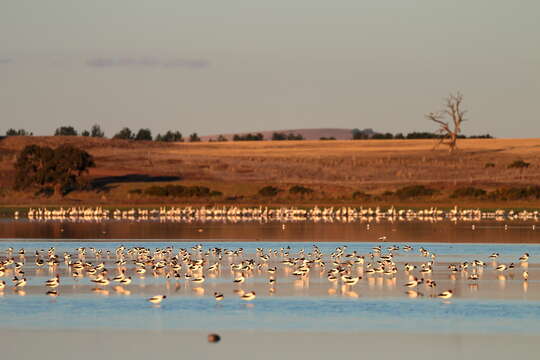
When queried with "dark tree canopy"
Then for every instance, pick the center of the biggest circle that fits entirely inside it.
(20, 132)
(96, 131)
(170, 136)
(194, 138)
(65, 131)
(248, 137)
(42, 167)
(125, 133)
(144, 134)
(85, 133)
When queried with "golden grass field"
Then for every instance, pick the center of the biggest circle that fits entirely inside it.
(334, 169)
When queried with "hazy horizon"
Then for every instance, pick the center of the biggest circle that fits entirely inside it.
(239, 66)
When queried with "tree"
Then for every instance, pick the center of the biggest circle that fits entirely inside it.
(194, 138)
(449, 129)
(170, 136)
(20, 132)
(125, 134)
(43, 167)
(248, 137)
(96, 131)
(292, 136)
(65, 131)
(358, 134)
(277, 136)
(85, 133)
(144, 134)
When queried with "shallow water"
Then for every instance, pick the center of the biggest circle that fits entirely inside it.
(498, 303)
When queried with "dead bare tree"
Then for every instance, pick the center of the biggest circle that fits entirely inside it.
(449, 129)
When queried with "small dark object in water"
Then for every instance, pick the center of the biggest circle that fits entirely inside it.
(213, 338)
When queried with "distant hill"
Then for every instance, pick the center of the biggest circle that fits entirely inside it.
(308, 134)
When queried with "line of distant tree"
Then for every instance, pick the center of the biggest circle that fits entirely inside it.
(276, 136)
(369, 134)
(175, 136)
(248, 137)
(283, 136)
(20, 132)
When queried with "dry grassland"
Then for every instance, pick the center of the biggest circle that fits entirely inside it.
(334, 169)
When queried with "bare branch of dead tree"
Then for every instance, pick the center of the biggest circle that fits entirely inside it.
(449, 121)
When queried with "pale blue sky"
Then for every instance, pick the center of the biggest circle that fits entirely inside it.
(248, 65)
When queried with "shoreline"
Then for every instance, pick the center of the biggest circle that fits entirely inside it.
(134, 344)
(223, 240)
(413, 205)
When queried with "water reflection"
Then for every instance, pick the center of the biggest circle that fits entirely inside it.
(420, 231)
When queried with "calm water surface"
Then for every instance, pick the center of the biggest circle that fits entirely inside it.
(399, 231)
(494, 312)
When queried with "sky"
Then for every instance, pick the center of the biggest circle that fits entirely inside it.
(232, 66)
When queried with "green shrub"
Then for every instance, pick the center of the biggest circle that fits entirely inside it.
(156, 191)
(468, 192)
(61, 168)
(361, 195)
(181, 191)
(135, 191)
(301, 190)
(516, 193)
(415, 191)
(519, 164)
(269, 191)
(489, 165)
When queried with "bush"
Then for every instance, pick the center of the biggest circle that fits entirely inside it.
(519, 164)
(135, 191)
(280, 136)
(156, 191)
(181, 191)
(361, 195)
(144, 135)
(248, 137)
(415, 191)
(170, 136)
(125, 134)
(65, 131)
(468, 192)
(20, 132)
(489, 165)
(194, 138)
(301, 190)
(380, 136)
(423, 135)
(327, 138)
(516, 193)
(269, 191)
(96, 131)
(358, 134)
(42, 167)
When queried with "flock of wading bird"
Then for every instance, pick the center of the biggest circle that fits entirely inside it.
(117, 269)
(236, 214)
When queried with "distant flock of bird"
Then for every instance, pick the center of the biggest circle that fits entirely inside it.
(117, 269)
(260, 213)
